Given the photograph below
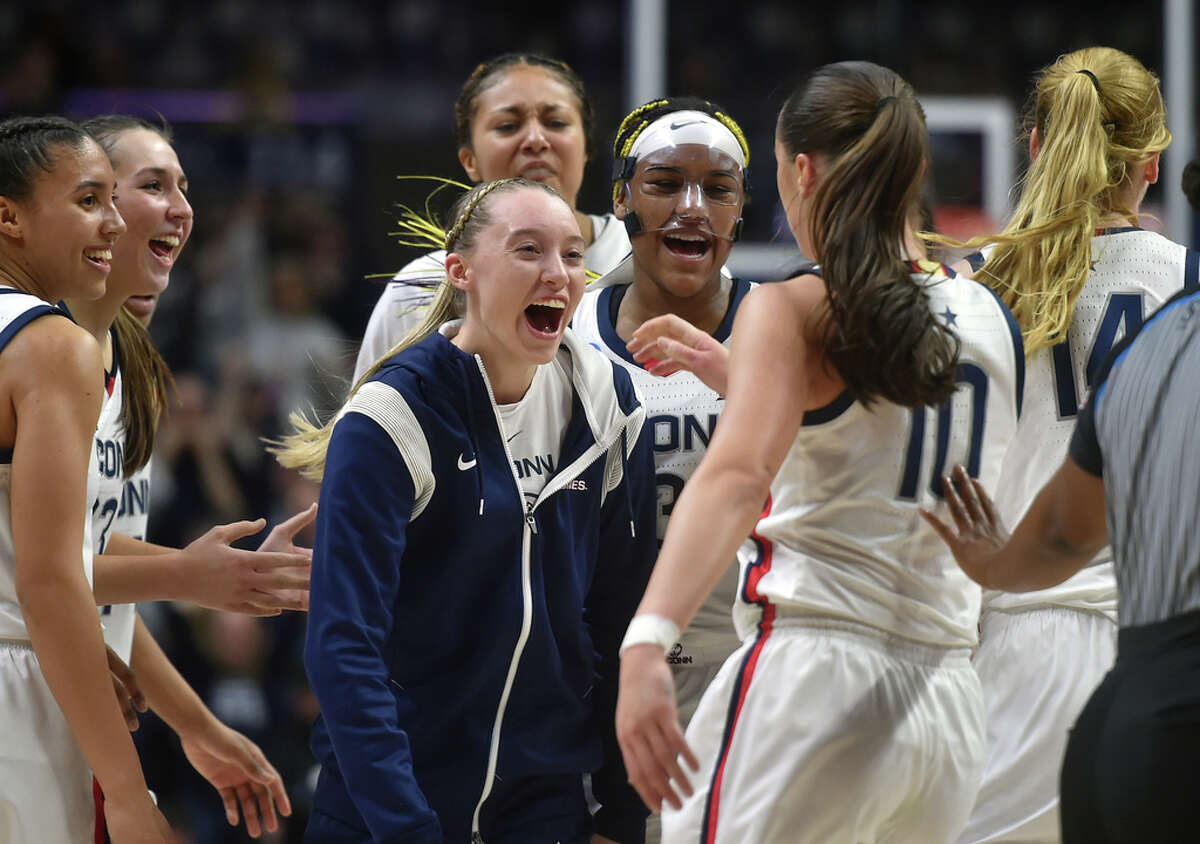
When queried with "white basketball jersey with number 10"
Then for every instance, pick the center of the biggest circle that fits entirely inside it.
(841, 538)
(1133, 273)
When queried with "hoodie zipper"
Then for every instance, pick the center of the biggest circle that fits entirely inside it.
(556, 482)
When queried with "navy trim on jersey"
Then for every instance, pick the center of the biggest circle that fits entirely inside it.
(608, 330)
(975, 261)
(23, 320)
(1117, 354)
(10, 331)
(1118, 230)
(1018, 346)
(830, 411)
(1191, 270)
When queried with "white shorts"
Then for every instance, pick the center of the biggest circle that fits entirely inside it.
(1038, 668)
(691, 681)
(45, 784)
(828, 733)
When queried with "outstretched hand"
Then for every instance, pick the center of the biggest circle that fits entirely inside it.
(263, 582)
(668, 343)
(237, 769)
(978, 534)
(648, 729)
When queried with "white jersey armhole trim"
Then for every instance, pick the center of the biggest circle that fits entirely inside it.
(387, 408)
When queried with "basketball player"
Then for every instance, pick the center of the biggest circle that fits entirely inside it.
(486, 529)
(152, 198)
(680, 192)
(1078, 273)
(518, 114)
(851, 712)
(1130, 478)
(58, 224)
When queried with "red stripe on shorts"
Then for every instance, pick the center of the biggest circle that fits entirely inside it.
(753, 577)
(101, 827)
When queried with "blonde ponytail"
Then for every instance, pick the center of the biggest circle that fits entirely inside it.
(1098, 113)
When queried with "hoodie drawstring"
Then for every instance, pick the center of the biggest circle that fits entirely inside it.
(625, 482)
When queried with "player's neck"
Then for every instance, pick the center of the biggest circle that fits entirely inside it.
(648, 298)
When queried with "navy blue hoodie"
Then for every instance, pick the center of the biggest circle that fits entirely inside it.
(463, 644)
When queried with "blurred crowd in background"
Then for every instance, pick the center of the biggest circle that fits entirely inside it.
(292, 121)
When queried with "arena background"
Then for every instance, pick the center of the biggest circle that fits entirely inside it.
(292, 121)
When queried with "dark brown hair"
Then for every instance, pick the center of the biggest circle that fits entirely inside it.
(29, 147)
(145, 377)
(489, 73)
(865, 124)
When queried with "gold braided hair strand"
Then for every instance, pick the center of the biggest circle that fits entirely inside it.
(731, 124)
(456, 229)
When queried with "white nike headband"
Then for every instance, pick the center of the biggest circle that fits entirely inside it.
(688, 127)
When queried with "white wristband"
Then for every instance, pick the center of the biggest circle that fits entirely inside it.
(650, 629)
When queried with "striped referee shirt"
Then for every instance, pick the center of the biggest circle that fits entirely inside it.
(1139, 432)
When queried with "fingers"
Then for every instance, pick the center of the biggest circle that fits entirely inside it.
(266, 808)
(962, 482)
(957, 509)
(229, 798)
(298, 522)
(275, 601)
(247, 608)
(666, 752)
(989, 507)
(279, 580)
(129, 690)
(246, 798)
(943, 530)
(274, 559)
(236, 530)
(131, 719)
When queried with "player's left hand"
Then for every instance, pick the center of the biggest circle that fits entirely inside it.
(648, 729)
(600, 839)
(241, 774)
(978, 534)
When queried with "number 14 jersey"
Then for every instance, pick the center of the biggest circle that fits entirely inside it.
(1133, 273)
(841, 539)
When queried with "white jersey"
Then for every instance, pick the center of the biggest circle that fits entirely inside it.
(841, 538)
(682, 412)
(1133, 273)
(121, 504)
(18, 309)
(401, 306)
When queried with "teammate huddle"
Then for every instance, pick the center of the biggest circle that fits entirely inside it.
(498, 654)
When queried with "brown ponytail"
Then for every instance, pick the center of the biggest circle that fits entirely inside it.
(878, 332)
(146, 381)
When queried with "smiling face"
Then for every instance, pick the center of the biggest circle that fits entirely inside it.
(66, 228)
(528, 124)
(152, 197)
(694, 194)
(523, 277)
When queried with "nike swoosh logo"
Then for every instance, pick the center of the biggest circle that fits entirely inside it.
(465, 464)
(675, 126)
(514, 436)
